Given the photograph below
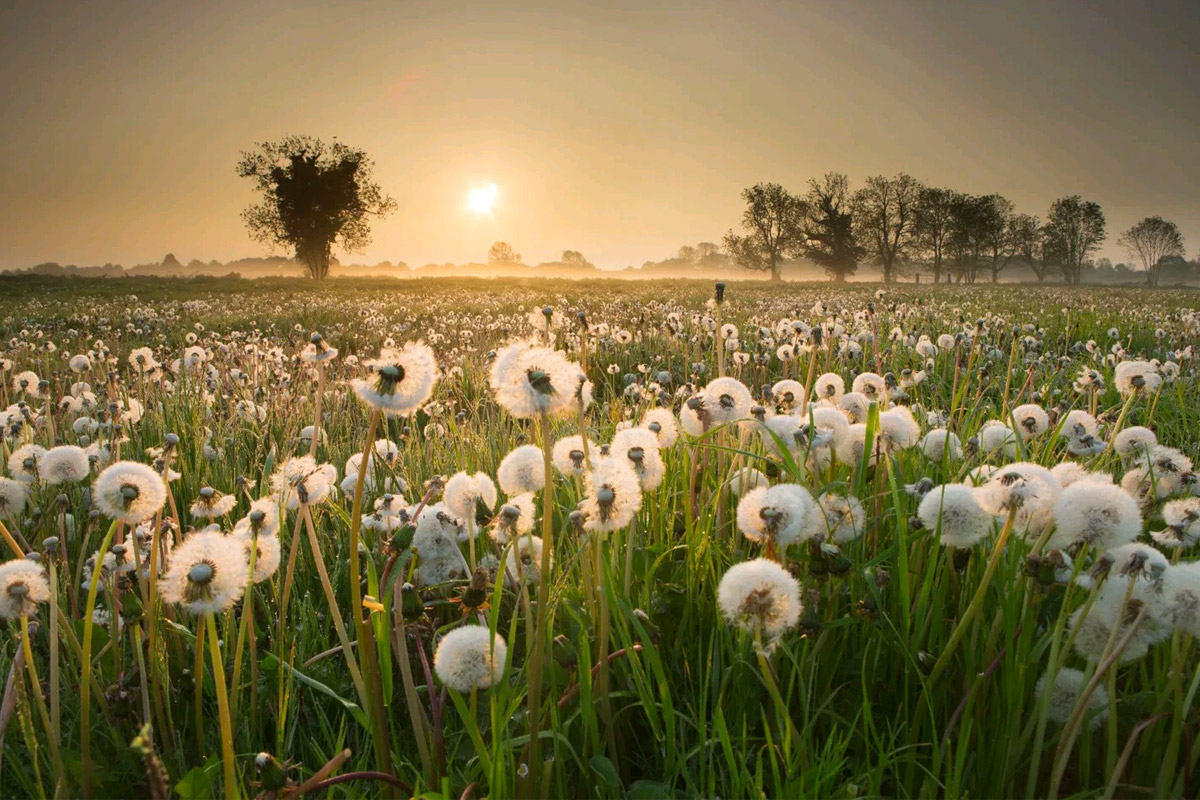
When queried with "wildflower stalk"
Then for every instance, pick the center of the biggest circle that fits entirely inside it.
(214, 653)
(543, 603)
(85, 688)
(363, 629)
(976, 602)
(416, 716)
(55, 705)
(338, 624)
(785, 718)
(316, 437)
(10, 541)
(1066, 741)
(247, 613)
(35, 688)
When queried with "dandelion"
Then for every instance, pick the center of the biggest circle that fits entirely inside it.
(661, 422)
(531, 381)
(614, 496)
(954, 513)
(267, 552)
(515, 518)
(940, 444)
(997, 438)
(1065, 693)
(64, 464)
(522, 471)
(1032, 420)
(470, 657)
(1096, 513)
(760, 596)
(208, 573)
(524, 562)
(776, 514)
(401, 380)
(1134, 441)
(829, 387)
(1132, 377)
(129, 492)
(24, 461)
(569, 455)
(640, 447)
(471, 498)
(302, 481)
(726, 400)
(788, 394)
(436, 542)
(23, 586)
(13, 497)
(837, 518)
(869, 385)
(210, 504)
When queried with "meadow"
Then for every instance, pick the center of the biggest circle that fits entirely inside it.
(468, 538)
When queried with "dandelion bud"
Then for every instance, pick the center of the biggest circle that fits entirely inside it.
(720, 291)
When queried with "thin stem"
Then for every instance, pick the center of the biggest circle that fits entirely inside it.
(214, 654)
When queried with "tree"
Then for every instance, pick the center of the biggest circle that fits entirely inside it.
(1151, 241)
(828, 226)
(885, 212)
(314, 194)
(995, 215)
(686, 253)
(772, 220)
(503, 254)
(934, 214)
(572, 257)
(968, 218)
(1074, 230)
(1025, 240)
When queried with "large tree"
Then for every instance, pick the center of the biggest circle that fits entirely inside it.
(314, 195)
(828, 226)
(935, 215)
(1074, 230)
(885, 215)
(772, 221)
(1025, 240)
(1151, 241)
(996, 213)
(968, 233)
(503, 254)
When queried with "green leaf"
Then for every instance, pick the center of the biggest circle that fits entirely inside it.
(647, 790)
(608, 773)
(197, 784)
(272, 664)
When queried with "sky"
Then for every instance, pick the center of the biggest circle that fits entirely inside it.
(619, 129)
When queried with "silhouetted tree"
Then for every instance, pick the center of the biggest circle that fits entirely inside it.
(935, 212)
(885, 213)
(1025, 240)
(503, 254)
(968, 218)
(773, 223)
(828, 226)
(995, 214)
(315, 194)
(574, 258)
(1074, 229)
(687, 253)
(1150, 241)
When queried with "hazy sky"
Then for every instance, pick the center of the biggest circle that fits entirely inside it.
(619, 129)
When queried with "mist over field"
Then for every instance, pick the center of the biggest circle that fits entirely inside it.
(624, 401)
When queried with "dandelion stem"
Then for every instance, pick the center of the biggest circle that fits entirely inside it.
(214, 654)
(976, 602)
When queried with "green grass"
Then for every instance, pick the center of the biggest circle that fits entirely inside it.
(691, 713)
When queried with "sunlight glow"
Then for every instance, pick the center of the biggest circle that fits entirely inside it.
(482, 199)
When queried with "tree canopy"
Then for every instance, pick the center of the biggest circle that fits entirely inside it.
(315, 194)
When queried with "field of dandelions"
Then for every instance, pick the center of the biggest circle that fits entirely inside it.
(466, 539)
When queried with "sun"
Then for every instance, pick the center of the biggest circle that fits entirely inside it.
(482, 199)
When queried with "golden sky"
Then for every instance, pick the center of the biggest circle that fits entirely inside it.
(619, 129)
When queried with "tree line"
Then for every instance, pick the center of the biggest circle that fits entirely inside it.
(903, 225)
